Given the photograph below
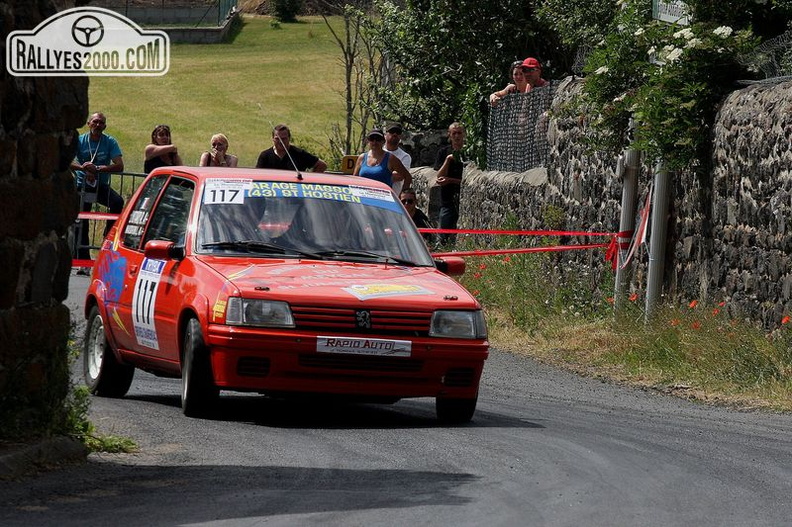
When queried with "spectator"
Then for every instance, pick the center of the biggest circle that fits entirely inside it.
(284, 156)
(449, 168)
(161, 152)
(532, 69)
(519, 84)
(393, 134)
(381, 165)
(420, 219)
(98, 156)
(218, 156)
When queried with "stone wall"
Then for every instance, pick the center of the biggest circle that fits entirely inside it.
(730, 235)
(37, 204)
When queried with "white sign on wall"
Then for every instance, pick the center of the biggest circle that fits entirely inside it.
(671, 11)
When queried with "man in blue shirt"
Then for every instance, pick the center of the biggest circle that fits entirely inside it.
(98, 156)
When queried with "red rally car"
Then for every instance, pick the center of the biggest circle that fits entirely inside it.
(279, 283)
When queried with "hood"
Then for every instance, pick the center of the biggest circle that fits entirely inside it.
(334, 283)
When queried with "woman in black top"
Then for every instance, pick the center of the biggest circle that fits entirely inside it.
(161, 152)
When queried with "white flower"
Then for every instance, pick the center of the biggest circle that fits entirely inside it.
(693, 42)
(684, 33)
(601, 70)
(620, 98)
(652, 50)
(674, 55)
(639, 32)
(723, 31)
(669, 48)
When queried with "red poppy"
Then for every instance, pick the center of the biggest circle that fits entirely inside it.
(633, 297)
(785, 319)
(692, 304)
(696, 324)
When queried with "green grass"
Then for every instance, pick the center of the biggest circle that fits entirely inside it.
(294, 73)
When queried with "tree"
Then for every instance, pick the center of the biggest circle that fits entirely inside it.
(446, 56)
(362, 64)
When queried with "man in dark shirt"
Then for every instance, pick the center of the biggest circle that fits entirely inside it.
(420, 219)
(296, 159)
(449, 168)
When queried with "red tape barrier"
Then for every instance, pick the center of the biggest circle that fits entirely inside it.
(611, 255)
(97, 216)
(618, 240)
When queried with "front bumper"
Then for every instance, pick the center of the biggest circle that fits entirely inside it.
(269, 360)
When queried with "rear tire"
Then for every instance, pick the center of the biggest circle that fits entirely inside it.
(199, 393)
(455, 411)
(104, 375)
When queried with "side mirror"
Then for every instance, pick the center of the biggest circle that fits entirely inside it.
(163, 250)
(451, 265)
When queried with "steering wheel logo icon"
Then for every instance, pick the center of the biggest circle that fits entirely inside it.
(87, 31)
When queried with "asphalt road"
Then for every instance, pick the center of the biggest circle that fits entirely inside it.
(545, 448)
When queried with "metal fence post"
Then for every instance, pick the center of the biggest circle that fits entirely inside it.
(657, 242)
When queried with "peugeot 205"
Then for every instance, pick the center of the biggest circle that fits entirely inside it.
(279, 283)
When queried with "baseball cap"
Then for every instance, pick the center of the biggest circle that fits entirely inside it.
(531, 62)
(394, 128)
(376, 134)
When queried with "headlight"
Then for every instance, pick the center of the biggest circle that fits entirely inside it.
(458, 325)
(263, 313)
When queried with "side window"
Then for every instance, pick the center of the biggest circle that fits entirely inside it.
(133, 230)
(169, 220)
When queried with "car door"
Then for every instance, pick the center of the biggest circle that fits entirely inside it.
(160, 213)
(162, 285)
(129, 255)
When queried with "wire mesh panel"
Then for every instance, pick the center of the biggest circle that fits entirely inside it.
(517, 130)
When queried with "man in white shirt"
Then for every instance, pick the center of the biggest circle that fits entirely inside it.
(393, 134)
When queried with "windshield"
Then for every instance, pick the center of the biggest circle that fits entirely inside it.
(303, 220)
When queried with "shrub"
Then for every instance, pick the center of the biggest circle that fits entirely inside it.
(286, 10)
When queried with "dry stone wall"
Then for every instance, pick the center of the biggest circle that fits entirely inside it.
(730, 233)
(38, 124)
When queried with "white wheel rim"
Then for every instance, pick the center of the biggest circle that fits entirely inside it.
(96, 347)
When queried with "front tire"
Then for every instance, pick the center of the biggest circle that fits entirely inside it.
(104, 375)
(199, 393)
(455, 411)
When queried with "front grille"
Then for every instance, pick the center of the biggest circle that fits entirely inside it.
(361, 363)
(459, 377)
(383, 322)
(253, 367)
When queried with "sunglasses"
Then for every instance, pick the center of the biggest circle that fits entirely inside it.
(376, 138)
(219, 145)
(408, 201)
(528, 70)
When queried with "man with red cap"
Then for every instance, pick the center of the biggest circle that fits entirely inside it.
(532, 69)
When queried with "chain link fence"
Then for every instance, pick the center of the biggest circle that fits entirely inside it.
(517, 130)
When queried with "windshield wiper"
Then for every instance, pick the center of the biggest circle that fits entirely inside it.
(259, 247)
(369, 255)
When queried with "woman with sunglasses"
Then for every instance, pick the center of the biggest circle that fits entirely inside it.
(218, 156)
(161, 152)
(381, 165)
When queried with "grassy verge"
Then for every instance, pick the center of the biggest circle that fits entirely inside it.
(265, 75)
(557, 313)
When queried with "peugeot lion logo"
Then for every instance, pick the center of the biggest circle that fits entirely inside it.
(363, 319)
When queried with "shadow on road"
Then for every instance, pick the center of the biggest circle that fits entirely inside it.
(323, 413)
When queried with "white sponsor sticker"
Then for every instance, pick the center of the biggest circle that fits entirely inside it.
(225, 191)
(145, 294)
(360, 346)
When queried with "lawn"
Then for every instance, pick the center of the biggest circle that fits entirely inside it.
(265, 76)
